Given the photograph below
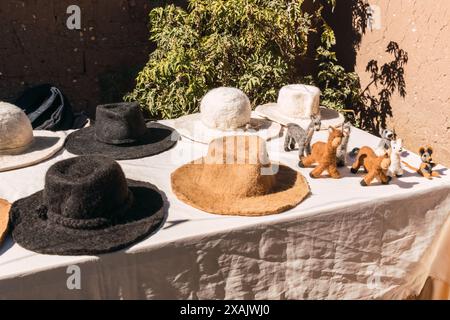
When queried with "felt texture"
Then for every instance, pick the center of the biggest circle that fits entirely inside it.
(16, 132)
(324, 154)
(4, 218)
(225, 109)
(237, 178)
(120, 123)
(299, 100)
(375, 166)
(20, 146)
(121, 133)
(87, 207)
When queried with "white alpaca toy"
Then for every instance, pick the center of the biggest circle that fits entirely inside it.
(395, 169)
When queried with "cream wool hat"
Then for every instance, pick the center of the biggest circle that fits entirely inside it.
(20, 146)
(224, 112)
(236, 177)
(296, 104)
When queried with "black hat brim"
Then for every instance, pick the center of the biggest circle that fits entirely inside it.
(157, 139)
(40, 235)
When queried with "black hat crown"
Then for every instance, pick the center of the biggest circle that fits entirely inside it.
(119, 123)
(88, 192)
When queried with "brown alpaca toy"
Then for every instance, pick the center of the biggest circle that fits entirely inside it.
(376, 167)
(324, 154)
(427, 165)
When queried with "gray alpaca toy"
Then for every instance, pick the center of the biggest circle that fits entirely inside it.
(296, 135)
(341, 153)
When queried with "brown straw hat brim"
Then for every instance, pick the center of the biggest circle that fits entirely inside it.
(290, 189)
(4, 218)
(158, 139)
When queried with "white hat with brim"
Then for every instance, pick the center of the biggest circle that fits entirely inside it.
(20, 146)
(225, 111)
(192, 127)
(45, 145)
(275, 113)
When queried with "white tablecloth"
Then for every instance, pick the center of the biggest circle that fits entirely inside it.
(344, 241)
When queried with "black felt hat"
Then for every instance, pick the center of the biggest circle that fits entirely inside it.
(87, 207)
(121, 133)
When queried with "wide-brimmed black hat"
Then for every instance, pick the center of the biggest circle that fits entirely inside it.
(121, 133)
(87, 207)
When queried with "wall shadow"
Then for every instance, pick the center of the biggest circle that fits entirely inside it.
(350, 20)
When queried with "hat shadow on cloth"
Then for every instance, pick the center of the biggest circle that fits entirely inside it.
(87, 207)
(44, 143)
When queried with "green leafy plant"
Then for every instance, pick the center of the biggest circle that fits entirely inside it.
(254, 45)
(257, 46)
(340, 89)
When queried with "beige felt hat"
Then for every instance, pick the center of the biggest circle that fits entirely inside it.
(237, 178)
(296, 104)
(4, 218)
(20, 146)
(225, 112)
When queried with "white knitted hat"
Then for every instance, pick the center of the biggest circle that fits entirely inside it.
(224, 112)
(20, 146)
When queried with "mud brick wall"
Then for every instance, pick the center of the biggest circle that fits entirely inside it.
(93, 65)
(422, 28)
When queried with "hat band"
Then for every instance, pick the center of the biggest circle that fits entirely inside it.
(92, 224)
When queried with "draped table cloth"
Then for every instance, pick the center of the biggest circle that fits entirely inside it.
(344, 241)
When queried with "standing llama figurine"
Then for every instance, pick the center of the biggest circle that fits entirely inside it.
(297, 135)
(341, 153)
(375, 166)
(395, 169)
(325, 155)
